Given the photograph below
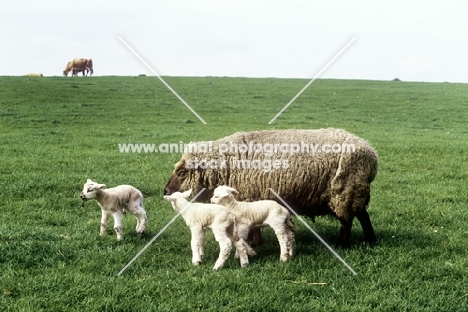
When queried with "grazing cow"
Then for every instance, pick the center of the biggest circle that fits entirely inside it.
(79, 65)
(34, 75)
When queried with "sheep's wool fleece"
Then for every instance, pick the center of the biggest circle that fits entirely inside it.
(319, 179)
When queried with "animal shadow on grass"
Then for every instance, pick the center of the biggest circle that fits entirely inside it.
(307, 243)
(413, 238)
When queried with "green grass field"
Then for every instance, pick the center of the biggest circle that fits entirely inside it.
(55, 132)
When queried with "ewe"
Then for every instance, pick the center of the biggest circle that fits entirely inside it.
(259, 213)
(330, 174)
(114, 201)
(222, 222)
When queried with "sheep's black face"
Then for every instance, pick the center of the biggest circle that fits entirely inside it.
(176, 180)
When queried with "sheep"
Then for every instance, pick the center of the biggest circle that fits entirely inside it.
(222, 222)
(114, 201)
(317, 172)
(259, 213)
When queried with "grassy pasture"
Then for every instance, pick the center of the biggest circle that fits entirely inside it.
(55, 132)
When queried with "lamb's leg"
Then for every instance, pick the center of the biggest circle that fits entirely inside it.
(197, 244)
(142, 219)
(201, 252)
(118, 224)
(243, 233)
(291, 242)
(280, 232)
(241, 251)
(104, 218)
(225, 246)
(290, 230)
(239, 244)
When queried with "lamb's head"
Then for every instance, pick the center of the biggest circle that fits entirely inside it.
(176, 195)
(90, 190)
(223, 192)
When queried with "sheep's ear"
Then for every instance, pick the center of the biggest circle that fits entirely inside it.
(89, 181)
(100, 186)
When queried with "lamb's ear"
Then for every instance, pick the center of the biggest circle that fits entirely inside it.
(168, 197)
(187, 193)
(100, 186)
(89, 181)
(232, 190)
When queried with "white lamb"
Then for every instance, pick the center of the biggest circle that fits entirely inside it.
(259, 213)
(114, 201)
(222, 222)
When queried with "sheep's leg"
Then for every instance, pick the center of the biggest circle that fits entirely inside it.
(118, 224)
(345, 232)
(225, 246)
(197, 244)
(255, 236)
(104, 218)
(366, 225)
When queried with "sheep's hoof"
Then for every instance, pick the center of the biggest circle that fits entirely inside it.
(196, 263)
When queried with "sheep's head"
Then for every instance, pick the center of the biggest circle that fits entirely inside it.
(222, 192)
(178, 177)
(90, 189)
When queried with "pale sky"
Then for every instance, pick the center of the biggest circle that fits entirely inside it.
(410, 40)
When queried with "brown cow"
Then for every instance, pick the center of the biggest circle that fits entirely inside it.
(79, 65)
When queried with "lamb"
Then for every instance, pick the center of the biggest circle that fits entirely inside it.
(114, 201)
(222, 222)
(259, 213)
(317, 172)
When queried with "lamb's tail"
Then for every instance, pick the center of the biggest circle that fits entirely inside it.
(233, 220)
(290, 224)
